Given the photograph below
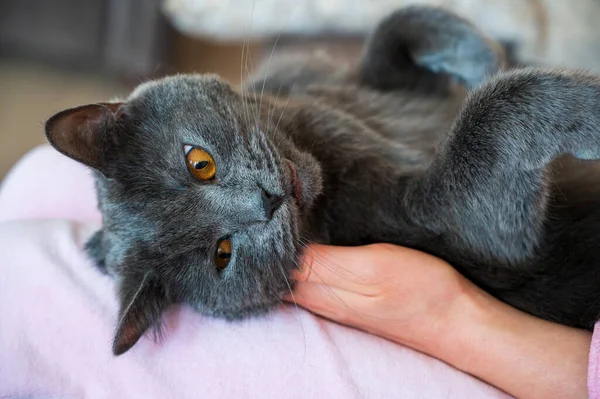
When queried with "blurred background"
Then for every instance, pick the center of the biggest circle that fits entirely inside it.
(57, 54)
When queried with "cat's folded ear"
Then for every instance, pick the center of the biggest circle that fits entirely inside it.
(83, 133)
(142, 302)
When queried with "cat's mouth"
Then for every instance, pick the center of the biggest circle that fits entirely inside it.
(296, 184)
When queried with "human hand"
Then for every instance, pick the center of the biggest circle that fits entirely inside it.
(394, 292)
(420, 301)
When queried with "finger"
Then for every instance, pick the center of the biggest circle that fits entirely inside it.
(330, 302)
(355, 269)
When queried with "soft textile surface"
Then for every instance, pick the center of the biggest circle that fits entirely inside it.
(594, 365)
(57, 315)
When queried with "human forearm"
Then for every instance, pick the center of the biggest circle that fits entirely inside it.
(422, 302)
(521, 354)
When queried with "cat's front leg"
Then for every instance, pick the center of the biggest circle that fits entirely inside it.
(94, 247)
(421, 46)
(487, 189)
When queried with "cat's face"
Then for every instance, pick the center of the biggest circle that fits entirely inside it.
(201, 200)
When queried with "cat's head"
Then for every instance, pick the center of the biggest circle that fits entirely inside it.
(201, 200)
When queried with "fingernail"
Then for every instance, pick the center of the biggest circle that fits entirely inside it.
(303, 273)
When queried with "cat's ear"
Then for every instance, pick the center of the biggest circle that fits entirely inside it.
(83, 133)
(142, 303)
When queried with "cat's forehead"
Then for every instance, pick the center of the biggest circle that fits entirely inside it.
(186, 97)
(190, 107)
(183, 86)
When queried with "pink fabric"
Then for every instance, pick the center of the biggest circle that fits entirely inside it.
(594, 365)
(57, 315)
(45, 184)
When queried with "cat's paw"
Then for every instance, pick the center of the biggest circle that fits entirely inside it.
(95, 250)
(587, 154)
(433, 39)
(452, 45)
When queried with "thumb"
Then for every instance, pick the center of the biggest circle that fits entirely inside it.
(349, 268)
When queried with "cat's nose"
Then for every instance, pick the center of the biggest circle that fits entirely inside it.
(270, 203)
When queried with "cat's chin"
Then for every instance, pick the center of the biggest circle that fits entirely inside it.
(240, 313)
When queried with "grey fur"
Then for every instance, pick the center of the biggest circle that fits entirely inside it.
(487, 197)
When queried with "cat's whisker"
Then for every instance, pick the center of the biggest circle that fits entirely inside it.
(288, 248)
(157, 243)
(248, 59)
(266, 74)
(244, 78)
(254, 109)
(287, 282)
(305, 245)
(319, 256)
(283, 111)
(317, 259)
(159, 65)
(244, 74)
(326, 288)
(332, 266)
(254, 117)
(242, 88)
(278, 143)
(271, 113)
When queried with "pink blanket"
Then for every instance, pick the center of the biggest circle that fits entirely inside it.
(57, 315)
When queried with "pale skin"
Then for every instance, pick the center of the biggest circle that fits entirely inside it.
(420, 301)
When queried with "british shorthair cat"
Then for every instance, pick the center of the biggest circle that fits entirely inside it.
(209, 195)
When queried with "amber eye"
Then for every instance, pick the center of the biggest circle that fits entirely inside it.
(223, 254)
(199, 163)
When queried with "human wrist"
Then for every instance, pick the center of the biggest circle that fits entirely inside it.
(473, 318)
(526, 356)
(442, 322)
(457, 323)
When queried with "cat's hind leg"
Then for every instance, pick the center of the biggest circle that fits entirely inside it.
(421, 46)
(487, 189)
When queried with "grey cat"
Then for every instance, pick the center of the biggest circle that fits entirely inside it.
(209, 196)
